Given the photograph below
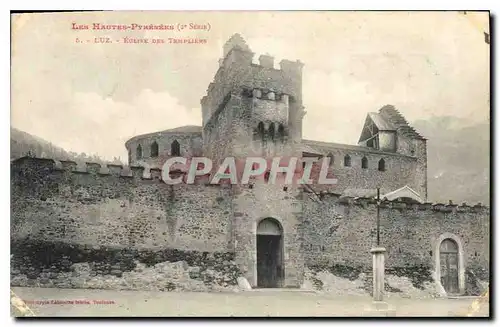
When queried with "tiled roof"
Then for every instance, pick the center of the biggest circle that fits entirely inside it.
(189, 129)
(184, 129)
(396, 118)
(380, 122)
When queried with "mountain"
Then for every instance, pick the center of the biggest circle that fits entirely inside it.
(458, 159)
(24, 144)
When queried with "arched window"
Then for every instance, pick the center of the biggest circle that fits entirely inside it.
(154, 150)
(138, 153)
(332, 159)
(347, 161)
(271, 131)
(381, 165)
(364, 163)
(260, 129)
(281, 132)
(175, 149)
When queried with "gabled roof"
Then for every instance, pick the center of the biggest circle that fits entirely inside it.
(388, 119)
(380, 122)
(391, 114)
(374, 118)
(404, 192)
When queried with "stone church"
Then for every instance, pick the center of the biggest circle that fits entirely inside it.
(257, 110)
(269, 234)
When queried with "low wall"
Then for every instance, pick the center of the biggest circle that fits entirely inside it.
(52, 264)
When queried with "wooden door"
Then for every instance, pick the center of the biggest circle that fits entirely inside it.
(449, 266)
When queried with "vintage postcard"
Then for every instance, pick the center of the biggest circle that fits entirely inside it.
(250, 164)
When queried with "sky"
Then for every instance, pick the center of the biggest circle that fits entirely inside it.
(89, 97)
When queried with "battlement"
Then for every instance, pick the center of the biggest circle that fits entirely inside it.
(93, 168)
(236, 70)
(154, 174)
(242, 56)
(98, 170)
(266, 94)
(242, 70)
(371, 203)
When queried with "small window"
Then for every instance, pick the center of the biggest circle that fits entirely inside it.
(139, 152)
(154, 150)
(364, 163)
(381, 165)
(281, 132)
(175, 149)
(332, 159)
(347, 161)
(271, 131)
(260, 129)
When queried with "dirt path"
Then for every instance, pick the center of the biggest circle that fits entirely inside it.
(253, 303)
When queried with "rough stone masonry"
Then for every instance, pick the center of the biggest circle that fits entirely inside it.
(92, 226)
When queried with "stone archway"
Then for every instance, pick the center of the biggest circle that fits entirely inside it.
(449, 264)
(270, 270)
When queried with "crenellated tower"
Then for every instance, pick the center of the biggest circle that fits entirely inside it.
(256, 110)
(252, 109)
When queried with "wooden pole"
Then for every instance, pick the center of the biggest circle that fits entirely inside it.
(378, 216)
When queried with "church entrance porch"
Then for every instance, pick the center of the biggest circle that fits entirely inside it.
(270, 272)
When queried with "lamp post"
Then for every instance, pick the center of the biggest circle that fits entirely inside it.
(378, 216)
(378, 253)
(379, 307)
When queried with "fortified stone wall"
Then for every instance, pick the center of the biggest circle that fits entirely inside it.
(90, 205)
(399, 170)
(113, 218)
(343, 232)
(190, 145)
(108, 227)
(270, 107)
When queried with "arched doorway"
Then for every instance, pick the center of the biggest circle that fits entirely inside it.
(269, 253)
(449, 262)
